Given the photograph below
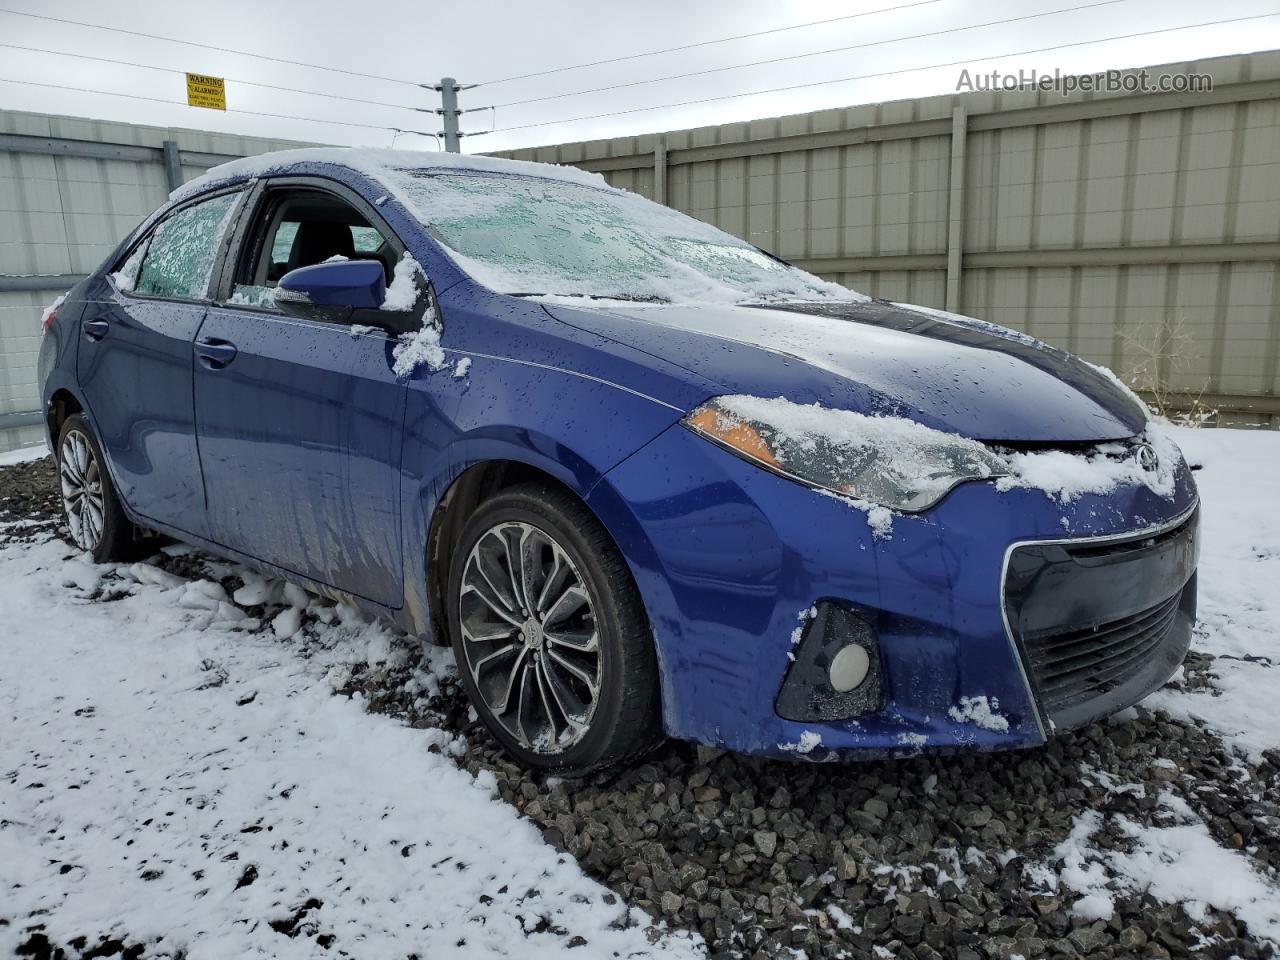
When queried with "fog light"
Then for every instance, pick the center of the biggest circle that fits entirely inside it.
(835, 669)
(849, 668)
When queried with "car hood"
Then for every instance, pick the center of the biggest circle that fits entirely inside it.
(950, 373)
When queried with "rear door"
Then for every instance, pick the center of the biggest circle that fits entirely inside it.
(134, 363)
(300, 420)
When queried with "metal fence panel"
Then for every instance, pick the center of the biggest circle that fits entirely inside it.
(70, 189)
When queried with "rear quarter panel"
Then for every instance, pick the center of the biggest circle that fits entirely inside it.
(56, 363)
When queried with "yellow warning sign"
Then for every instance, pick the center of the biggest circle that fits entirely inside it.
(206, 91)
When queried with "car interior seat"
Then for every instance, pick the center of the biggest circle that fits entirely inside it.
(317, 241)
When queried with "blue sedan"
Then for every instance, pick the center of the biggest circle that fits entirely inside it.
(644, 477)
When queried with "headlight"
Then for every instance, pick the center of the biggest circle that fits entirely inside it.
(890, 461)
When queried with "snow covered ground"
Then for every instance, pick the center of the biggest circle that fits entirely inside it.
(176, 770)
(169, 776)
(1239, 632)
(23, 454)
(1239, 610)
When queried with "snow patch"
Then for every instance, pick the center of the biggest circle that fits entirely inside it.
(461, 367)
(1082, 872)
(418, 348)
(127, 276)
(981, 712)
(1241, 705)
(1177, 863)
(36, 451)
(423, 345)
(841, 919)
(879, 519)
(804, 616)
(253, 296)
(287, 623)
(407, 283)
(808, 742)
(51, 310)
(1065, 476)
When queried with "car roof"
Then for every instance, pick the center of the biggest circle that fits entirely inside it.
(378, 165)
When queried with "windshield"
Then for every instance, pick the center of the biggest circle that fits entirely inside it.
(534, 236)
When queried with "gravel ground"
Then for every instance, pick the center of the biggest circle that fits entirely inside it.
(920, 858)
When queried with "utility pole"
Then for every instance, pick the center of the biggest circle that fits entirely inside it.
(448, 89)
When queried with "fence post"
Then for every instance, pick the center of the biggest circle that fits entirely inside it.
(955, 208)
(660, 171)
(172, 165)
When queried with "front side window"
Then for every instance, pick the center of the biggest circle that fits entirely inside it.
(181, 251)
(530, 235)
(300, 228)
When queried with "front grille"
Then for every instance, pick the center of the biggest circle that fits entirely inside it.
(1077, 665)
(1100, 623)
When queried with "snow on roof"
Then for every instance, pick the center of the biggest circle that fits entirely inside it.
(377, 164)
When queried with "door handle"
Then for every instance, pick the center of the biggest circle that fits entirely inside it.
(96, 329)
(215, 354)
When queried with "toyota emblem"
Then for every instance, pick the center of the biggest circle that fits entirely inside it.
(1147, 457)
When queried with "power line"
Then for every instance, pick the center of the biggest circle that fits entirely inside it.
(708, 43)
(883, 73)
(180, 103)
(816, 53)
(249, 83)
(206, 46)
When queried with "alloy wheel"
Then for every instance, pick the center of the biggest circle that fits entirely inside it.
(530, 637)
(82, 491)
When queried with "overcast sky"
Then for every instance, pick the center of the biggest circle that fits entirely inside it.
(487, 41)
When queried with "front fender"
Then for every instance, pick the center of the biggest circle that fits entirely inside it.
(570, 427)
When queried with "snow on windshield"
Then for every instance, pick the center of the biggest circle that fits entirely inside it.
(518, 234)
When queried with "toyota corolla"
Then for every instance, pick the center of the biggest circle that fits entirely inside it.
(644, 477)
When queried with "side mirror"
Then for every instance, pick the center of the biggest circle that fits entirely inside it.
(330, 291)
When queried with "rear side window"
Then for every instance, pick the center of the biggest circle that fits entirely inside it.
(181, 251)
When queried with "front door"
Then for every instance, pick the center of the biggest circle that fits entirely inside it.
(299, 421)
(134, 363)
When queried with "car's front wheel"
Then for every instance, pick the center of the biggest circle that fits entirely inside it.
(96, 520)
(552, 642)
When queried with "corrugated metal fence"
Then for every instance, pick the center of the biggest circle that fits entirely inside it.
(69, 190)
(1141, 231)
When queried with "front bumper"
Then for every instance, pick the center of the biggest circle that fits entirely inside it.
(730, 559)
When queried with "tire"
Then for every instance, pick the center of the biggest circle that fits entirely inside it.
(97, 521)
(583, 620)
